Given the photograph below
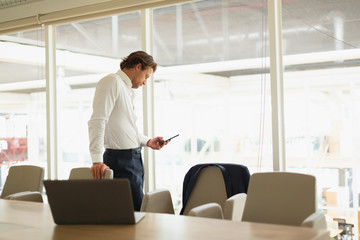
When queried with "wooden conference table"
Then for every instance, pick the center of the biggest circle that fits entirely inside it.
(29, 220)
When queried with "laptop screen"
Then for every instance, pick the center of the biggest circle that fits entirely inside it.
(105, 201)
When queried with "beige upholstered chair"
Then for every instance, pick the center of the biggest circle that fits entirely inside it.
(280, 198)
(209, 188)
(157, 201)
(24, 183)
(234, 207)
(85, 173)
(209, 210)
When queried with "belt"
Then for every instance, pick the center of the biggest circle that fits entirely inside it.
(133, 150)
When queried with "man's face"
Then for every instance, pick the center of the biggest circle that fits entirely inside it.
(141, 76)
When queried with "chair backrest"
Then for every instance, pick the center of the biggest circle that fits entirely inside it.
(209, 188)
(213, 182)
(280, 198)
(340, 220)
(346, 227)
(234, 207)
(157, 201)
(23, 178)
(85, 173)
(209, 210)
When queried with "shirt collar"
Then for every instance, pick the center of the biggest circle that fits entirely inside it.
(125, 78)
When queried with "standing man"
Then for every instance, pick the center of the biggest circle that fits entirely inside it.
(113, 124)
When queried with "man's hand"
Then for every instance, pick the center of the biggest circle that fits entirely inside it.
(157, 143)
(98, 170)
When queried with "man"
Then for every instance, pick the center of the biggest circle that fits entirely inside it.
(113, 124)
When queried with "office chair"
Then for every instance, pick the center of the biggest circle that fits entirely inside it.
(347, 228)
(213, 183)
(209, 188)
(209, 210)
(24, 183)
(280, 198)
(85, 173)
(157, 201)
(234, 207)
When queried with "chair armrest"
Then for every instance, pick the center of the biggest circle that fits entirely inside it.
(109, 174)
(208, 210)
(26, 196)
(315, 220)
(234, 207)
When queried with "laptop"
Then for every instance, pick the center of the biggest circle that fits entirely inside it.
(105, 201)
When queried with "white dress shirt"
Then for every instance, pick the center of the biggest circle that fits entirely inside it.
(113, 121)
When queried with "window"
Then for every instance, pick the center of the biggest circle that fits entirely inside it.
(206, 91)
(23, 101)
(322, 99)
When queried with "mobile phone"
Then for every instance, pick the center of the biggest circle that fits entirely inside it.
(170, 138)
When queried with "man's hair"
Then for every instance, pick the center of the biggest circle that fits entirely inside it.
(135, 58)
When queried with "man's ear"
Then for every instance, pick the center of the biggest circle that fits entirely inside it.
(138, 67)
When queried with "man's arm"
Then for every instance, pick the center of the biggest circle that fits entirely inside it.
(96, 137)
(103, 104)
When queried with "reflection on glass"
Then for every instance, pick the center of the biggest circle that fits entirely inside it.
(114, 36)
(209, 31)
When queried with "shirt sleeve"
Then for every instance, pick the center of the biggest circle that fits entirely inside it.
(96, 139)
(105, 97)
(143, 139)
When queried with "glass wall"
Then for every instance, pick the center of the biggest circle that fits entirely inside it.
(322, 100)
(206, 91)
(23, 101)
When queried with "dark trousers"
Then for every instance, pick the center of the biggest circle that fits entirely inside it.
(127, 164)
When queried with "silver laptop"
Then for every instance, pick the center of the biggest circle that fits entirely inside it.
(92, 201)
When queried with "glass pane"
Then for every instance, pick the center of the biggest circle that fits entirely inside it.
(322, 100)
(23, 101)
(87, 51)
(209, 31)
(115, 36)
(210, 88)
